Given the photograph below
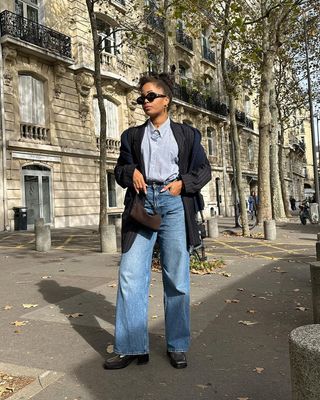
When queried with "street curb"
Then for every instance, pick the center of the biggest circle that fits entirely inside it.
(43, 378)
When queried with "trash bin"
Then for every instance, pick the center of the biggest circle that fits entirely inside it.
(20, 218)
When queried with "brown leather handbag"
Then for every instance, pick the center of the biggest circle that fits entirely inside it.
(140, 215)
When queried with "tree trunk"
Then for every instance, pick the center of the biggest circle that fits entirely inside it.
(237, 164)
(103, 142)
(282, 170)
(166, 6)
(264, 192)
(278, 211)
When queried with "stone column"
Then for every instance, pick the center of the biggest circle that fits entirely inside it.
(43, 235)
(213, 230)
(304, 348)
(108, 240)
(270, 230)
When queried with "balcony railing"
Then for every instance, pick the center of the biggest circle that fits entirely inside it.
(113, 145)
(156, 22)
(184, 39)
(208, 54)
(34, 133)
(122, 2)
(198, 99)
(243, 119)
(31, 32)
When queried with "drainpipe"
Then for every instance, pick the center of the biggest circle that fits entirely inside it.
(3, 177)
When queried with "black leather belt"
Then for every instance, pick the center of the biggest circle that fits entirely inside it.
(159, 183)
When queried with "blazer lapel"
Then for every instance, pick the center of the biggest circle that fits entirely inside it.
(180, 139)
(137, 141)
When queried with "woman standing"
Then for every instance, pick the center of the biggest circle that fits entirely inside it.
(165, 162)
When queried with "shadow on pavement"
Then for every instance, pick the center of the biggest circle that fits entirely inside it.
(226, 355)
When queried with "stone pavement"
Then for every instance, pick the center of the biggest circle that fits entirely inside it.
(240, 322)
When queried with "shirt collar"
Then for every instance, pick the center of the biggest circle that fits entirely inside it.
(162, 129)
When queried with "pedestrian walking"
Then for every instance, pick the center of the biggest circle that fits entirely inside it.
(162, 164)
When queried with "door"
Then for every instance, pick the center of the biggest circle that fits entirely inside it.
(37, 194)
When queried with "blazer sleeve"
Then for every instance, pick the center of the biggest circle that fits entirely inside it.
(199, 172)
(125, 166)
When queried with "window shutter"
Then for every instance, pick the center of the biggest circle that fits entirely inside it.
(112, 119)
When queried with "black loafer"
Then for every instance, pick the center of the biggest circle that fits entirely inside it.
(178, 359)
(122, 361)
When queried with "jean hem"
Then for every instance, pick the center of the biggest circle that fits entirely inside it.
(130, 353)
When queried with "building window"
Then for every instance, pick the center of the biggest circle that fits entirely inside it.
(110, 38)
(207, 53)
(250, 151)
(153, 61)
(27, 9)
(247, 105)
(32, 106)
(112, 192)
(211, 138)
(112, 126)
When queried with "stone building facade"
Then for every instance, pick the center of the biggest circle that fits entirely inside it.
(49, 159)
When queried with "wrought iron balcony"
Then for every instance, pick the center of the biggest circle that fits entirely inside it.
(243, 119)
(184, 39)
(31, 32)
(208, 54)
(200, 100)
(156, 22)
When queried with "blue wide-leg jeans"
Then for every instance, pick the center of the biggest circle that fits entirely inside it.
(131, 330)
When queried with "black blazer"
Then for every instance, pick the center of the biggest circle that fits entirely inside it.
(194, 169)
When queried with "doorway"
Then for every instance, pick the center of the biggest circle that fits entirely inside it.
(37, 193)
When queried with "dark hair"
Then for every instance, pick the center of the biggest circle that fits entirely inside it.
(162, 80)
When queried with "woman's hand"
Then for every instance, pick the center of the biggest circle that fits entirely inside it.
(138, 182)
(174, 187)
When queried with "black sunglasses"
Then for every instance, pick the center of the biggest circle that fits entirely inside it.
(150, 97)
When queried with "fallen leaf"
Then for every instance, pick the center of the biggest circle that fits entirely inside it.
(29, 305)
(198, 303)
(226, 274)
(19, 323)
(113, 285)
(46, 277)
(248, 323)
(203, 386)
(240, 289)
(242, 398)
(301, 308)
(154, 317)
(151, 296)
(252, 311)
(7, 307)
(74, 315)
(110, 349)
(235, 301)
(279, 270)
(258, 370)
(296, 290)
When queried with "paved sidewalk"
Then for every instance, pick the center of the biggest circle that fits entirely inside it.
(74, 289)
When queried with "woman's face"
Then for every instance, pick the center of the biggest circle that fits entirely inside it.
(159, 105)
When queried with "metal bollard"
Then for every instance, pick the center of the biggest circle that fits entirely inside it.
(108, 239)
(270, 229)
(315, 284)
(43, 235)
(213, 229)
